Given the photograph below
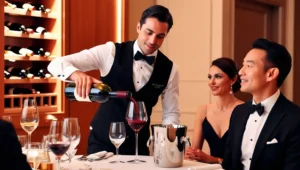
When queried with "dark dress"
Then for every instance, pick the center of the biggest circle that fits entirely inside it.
(216, 144)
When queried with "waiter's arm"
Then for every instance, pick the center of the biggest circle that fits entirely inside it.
(73, 66)
(170, 99)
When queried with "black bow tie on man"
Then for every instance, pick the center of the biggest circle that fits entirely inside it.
(259, 108)
(149, 59)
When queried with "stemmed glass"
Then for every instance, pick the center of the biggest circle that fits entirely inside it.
(117, 134)
(59, 138)
(75, 136)
(34, 155)
(29, 118)
(136, 117)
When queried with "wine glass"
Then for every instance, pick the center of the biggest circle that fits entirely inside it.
(59, 138)
(34, 155)
(23, 142)
(75, 136)
(29, 118)
(117, 134)
(136, 117)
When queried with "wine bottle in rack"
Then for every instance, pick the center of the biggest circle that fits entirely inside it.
(19, 50)
(39, 51)
(40, 7)
(38, 72)
(8, 4)
(25, 5)
(17, 27)
(19, 90)
(6, 74)
(38, 29)
(15, 71)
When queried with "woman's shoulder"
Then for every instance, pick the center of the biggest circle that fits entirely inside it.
(203, 110)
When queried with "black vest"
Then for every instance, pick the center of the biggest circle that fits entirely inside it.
(120, 77)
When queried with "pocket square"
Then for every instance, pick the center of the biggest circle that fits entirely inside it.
(273, 141)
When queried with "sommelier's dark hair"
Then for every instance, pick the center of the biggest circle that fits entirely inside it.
(229, 67)
(277, 56)
(159, 12)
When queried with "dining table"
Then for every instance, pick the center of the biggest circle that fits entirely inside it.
(105, 164)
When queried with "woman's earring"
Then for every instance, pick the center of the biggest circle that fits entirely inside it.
(230, 92)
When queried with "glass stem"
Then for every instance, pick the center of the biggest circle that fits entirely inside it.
(58, 164)
(29, 141)
(117, 152)
(136, 147)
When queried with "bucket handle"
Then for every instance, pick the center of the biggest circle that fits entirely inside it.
(149, 141)
(186, 140)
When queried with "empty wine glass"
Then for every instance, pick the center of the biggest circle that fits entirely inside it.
(23, 142)
(117, 134)
(75, 136)
(136, 117)
(29, 117)
(59, 138)
(34, 155)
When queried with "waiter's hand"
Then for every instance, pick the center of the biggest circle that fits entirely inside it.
(83, 82)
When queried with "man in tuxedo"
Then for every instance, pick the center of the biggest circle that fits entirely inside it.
(11, 156)
(264, 134)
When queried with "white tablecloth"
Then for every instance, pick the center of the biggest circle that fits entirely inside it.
(149, 165)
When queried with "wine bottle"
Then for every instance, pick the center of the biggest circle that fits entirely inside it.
(8, 4)
(19, 50)
(38, 29)
(26, 6)
(38, 72)
(6, 74)
(18, 90)
(19, 72)
(39, 51)
(99, 93)
(40, 7)
(15, 26)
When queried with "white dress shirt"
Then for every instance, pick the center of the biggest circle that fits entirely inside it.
(102, 57)
(254, 126)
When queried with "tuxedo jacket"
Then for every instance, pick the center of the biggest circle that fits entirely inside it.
(11, 156)
(282, 124)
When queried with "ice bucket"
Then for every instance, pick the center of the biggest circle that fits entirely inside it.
(168, 145)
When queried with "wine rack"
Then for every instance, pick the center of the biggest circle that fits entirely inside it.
(50, 97)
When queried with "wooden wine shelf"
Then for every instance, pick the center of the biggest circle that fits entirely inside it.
(17, 80)
(23, 12)
(29, 95)
(19, 34)
(26, 58)
(41, 109)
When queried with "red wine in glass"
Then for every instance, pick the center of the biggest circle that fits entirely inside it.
(59, 149)
(136, 117)
(136, 125)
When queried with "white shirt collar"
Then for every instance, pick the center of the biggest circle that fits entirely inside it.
(137, 48)
(269, 102)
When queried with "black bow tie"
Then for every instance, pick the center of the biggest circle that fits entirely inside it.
(149, 59)
(259, 108)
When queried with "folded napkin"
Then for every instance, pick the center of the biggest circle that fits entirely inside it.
(100, 155)
(206, 167)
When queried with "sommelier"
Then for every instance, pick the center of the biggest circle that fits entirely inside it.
(137, 66)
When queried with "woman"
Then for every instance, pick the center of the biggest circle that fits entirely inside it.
(212, 120)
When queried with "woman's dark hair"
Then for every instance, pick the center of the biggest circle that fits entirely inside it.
(229, 67)
(161, 13)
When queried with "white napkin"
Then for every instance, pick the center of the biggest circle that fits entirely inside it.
(206, 167)
(100, 155)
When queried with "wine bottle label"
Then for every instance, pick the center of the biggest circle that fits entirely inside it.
(81, 99)
(40, 29)
(23, 51)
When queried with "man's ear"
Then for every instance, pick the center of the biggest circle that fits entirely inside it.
(272, 73)
(138, 27)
